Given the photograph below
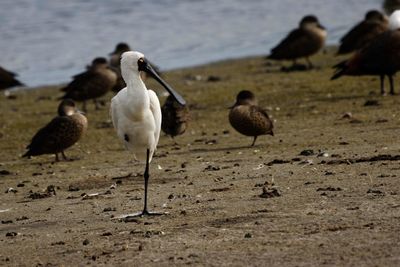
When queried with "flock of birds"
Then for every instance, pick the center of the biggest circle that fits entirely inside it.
(136, 112)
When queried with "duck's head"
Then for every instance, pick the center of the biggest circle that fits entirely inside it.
(120, 48)
(245, 97)
(134, 62)
(67, 108)
(374, 15)
(310, 21)
(99, 62)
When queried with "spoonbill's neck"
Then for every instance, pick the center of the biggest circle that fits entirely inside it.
(137, 91)
(132, 79)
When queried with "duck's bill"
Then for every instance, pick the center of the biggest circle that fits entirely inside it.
(321, 27)
(146, 67)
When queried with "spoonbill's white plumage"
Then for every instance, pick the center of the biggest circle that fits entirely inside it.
(136, 113)
(394, 20)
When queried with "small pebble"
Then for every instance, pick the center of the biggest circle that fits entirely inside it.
(248, 235)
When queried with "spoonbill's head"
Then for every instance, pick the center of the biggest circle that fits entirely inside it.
(135, 61)
(130, 61)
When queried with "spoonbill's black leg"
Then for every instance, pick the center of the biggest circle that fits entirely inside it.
(146, 175)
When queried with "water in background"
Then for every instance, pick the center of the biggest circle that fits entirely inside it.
(48, 41)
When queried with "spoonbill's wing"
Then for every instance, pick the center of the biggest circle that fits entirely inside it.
(115, 106)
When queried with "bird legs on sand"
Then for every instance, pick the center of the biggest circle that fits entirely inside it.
(175, 143)
(382, 76)
(254, 140)
(63, 155)
(84, 109)
(391, 84)
(146, 176)
(96, 104)
(297, 66)
(310, 65)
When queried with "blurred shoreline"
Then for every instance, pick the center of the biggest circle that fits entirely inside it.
(56, 40)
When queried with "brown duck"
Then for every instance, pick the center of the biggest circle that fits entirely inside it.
(115, 59)
(91, 84)
(380, 57)
(7, 79)
(115, 56)
(304, 41)
(249, 119)
(175, 117)
(61, 133)
(374, 24)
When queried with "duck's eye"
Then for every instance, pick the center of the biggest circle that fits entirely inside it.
(141, 60)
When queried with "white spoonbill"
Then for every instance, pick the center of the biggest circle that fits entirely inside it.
(136, 113)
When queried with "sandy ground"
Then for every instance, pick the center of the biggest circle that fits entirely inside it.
(331, 183)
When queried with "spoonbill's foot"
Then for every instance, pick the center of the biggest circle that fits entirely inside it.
(151, 213)
(134, 216)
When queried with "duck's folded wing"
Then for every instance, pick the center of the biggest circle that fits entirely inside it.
(50, 134)
(294, 40)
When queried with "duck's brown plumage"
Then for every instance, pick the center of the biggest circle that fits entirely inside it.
(391, 5)
(115, 56)
(7, 79)
(91, 84)
(360, 35)
(380, 57)
(249, 119)
(175, 117)
(115, 62)
(60, 133)
(304, 41)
